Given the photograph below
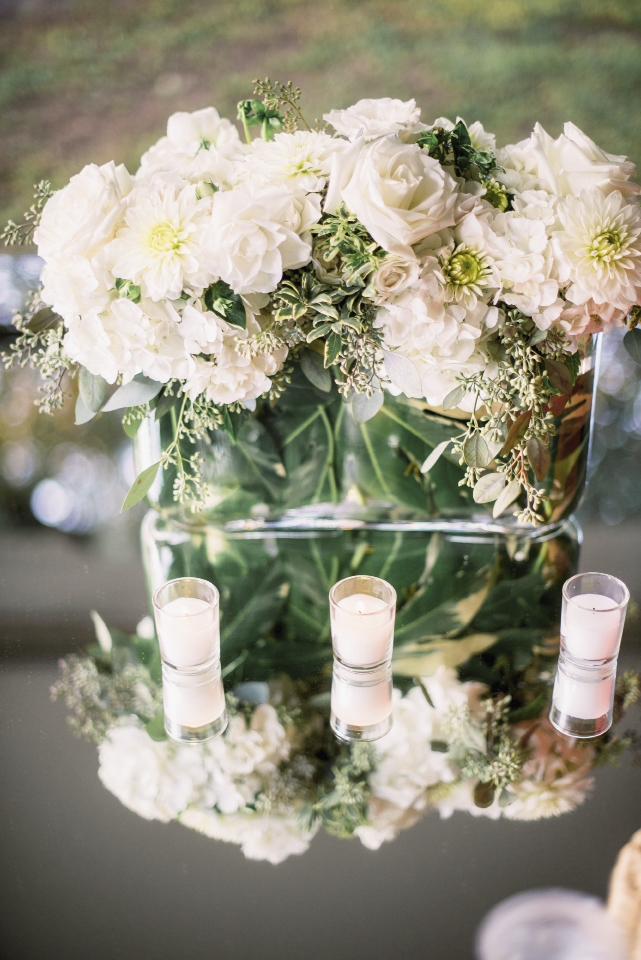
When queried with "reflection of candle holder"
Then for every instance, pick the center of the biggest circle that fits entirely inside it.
(592, 619)
(362, 612)
(194, 704)
(361, 706)
(583, 699)
(187, 621)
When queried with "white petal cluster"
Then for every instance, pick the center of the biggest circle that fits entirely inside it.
(554, 231)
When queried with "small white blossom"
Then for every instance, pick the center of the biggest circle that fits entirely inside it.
(374, 118)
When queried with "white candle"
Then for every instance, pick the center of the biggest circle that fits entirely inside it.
(191, 704)
(361, 705)
(362, 629)
(580, 700)
(188, 632)
(591, 626)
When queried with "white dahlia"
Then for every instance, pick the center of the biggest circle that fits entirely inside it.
(301, 159)
(159, 248)
(599, 249)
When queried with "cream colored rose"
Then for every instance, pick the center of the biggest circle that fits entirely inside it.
(573, 163)
(397, 191)
(374, 118)
(394, 275)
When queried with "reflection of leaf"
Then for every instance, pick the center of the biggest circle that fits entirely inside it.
(447, 619)
(423, 660)
(632, 343)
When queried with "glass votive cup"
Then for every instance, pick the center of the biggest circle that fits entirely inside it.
(361, 703)
(583, 698)
(362, 612)
(188, 622)
(550, 925)
(592, 617)
(193, 703)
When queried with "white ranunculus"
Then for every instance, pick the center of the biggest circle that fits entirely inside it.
(166, 355)
(301, 159)
(155, 780)
(374, 118)
(598, 249)
(439, 340)
(249, 241)
(109, 344)
(201, 329)
(159, 247)
(394, 275)
(83, 216)
(397, 191)
(573, 163)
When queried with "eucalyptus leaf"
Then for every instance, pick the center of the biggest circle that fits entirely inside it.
(131, 427)
(539, 457)
(516, 430)
(364, 407)
(435, 455)
(221, 299)
(165, 402)
(476, 452)
(632, 343)
(93, 389)
(141, 486)
(559, 376)
(83, 413)
(537, 337)
(138, 391)
(506, 498)
(454, 397)
(313, 367)
(403, 374)
(489, 487)
(423, 660)
(156, 728)
(484, 795)
(43, 320)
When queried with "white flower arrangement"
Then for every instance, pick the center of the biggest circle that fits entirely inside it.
(437, 263)
(262, 786)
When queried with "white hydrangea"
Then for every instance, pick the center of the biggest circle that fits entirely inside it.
(160, 246)
(375, 118)
(301, 159)
(272, 838)
(250, 238)
(232, 376)
(440, 340)
(155, 780)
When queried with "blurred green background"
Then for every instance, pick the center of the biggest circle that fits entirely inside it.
(84, 81)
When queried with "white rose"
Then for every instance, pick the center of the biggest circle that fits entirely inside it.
(394, 275)
(155, 780)
(573, 163)
(249, 241)
(397, 191)
(83, 216)
(374, 118)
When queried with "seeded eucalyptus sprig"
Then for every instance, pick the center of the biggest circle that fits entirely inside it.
(515, 420)
(19, 234)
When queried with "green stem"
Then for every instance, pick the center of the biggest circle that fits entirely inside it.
(248, 136)
(300, 428)
(375, 463)
(329, 463)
